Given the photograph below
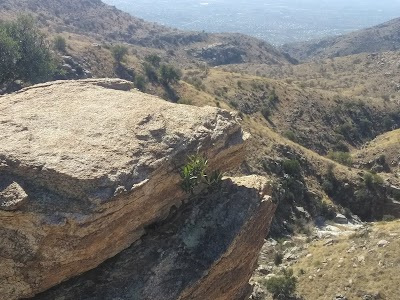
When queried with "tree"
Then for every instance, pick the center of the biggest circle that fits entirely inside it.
(119, 52)
(150, 72)
(153, 59)
(170, 74)
(28, 57)
(9, 56)
(140, 82)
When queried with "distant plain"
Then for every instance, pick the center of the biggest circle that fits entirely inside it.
(277, 22)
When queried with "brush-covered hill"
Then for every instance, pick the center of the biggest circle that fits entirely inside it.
(380, 38)
(102, 23)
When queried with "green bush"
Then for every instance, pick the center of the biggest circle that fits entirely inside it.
(60, 44)
(169, 74)
(273, 97)
(371, 180)
(153, 59)
(290, 135)
(291, 167)
(278, 257)
(9, 54)
(341, 157)
(140, 82)
(150, 72)
(24, 53)
(119, 52)
(282, 287)
(194, 173)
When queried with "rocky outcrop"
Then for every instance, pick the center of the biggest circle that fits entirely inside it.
(206, 250)
(87, 165)
(219, 54)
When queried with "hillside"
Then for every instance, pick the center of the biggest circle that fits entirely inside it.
(382, 153)
(380, 38)
(318, 134)
(105, 24)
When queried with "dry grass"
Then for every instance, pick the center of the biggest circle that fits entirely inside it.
(386, 144)
(353, 266)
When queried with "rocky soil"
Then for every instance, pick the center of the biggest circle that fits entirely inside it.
(341, 259)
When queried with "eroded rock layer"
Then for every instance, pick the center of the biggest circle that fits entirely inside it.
(85, 166)
(206, 250)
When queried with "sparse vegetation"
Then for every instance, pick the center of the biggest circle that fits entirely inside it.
(194, 174)
(341, 157)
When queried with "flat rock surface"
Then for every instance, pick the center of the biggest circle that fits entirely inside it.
(97, 136)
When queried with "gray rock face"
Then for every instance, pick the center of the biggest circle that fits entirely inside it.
(98, 164)
(340, 219)
(206, 250)
(12, 195)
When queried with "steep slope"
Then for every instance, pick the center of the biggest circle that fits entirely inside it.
(380, 38)
(105, 23)
(383, 151)
(319, 119)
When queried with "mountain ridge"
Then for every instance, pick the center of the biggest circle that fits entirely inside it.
(106, 23)
(380, 38)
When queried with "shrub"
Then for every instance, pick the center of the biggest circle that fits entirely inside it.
(9, 54)
(60, 44)
(119, 52)
(194, 173)
(169, 74)
(340, 146)
(278, 257)
(291, 167)
(150, 72)
(388, 218)
(24, 53)
(153, 59)
(290, 135)
(273, 97)
(140, 82)
(341, 157)
(282, 287)
(370, 180)
(266, 112)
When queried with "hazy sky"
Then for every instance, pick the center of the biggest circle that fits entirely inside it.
(278, 21)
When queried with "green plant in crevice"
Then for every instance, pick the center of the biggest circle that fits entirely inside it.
(194, 173)
(214, 180)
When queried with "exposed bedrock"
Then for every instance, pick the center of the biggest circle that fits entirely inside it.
(86, 166)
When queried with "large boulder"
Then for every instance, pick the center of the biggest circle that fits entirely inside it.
(205, 251)
(86, 166)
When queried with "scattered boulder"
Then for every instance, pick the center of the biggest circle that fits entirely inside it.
(382, 243)
(340, 219)
(12, 196)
